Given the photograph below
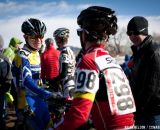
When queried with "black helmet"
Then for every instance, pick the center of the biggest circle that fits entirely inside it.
(33, 27)
(98, 19)
(61, 32)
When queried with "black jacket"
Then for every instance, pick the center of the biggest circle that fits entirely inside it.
(5, 74)
(145, 78)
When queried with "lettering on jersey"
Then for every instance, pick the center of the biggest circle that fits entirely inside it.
(119, 92)
(87, 80)
(106, 61)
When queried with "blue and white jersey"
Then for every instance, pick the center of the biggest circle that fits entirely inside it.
(26, 72)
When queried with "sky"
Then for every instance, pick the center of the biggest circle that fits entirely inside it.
(63, 13)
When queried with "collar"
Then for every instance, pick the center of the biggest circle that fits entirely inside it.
(27, 48)
(94, 46)
(145, 42)
(62, 48)
(138, 50)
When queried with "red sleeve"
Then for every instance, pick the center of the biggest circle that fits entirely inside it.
(77, 115)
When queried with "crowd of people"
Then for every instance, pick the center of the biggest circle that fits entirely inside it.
(113, 96)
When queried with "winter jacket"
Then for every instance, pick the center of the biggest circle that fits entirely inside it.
(145, 77)
(50, 63)
(5, 74)
(11, 51)
(5, 83)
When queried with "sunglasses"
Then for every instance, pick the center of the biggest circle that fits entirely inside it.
(81, 30)
(130, 33)
(35, 37)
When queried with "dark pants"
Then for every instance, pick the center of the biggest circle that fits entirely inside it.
(2, 111)
(13, 92)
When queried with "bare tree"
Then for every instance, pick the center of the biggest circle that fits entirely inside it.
(156, 36)
(111, 49)
(119, 40)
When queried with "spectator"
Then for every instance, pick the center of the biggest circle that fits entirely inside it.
(12, 49)
(10, 53)
(145, 73)
(50, 62)
(5, 83)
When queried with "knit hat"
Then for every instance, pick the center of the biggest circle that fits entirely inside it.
(14, 41)
(137, 25)
(48, 41)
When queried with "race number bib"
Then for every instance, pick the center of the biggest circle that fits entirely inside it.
(119, 92)
(87, 81)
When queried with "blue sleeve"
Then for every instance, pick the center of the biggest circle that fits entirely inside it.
(29, 83)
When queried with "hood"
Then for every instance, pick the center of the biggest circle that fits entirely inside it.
(14, 41)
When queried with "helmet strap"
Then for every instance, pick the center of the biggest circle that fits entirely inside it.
(31, 48)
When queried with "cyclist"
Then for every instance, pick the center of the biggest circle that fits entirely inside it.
(26, 71)
(101, 85)
(66, 62)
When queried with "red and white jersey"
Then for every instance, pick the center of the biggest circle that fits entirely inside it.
(101, 80)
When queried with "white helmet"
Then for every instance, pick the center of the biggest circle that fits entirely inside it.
(61, 32)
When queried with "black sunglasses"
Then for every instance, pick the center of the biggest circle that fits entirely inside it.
(80, 30)
(130, 33)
